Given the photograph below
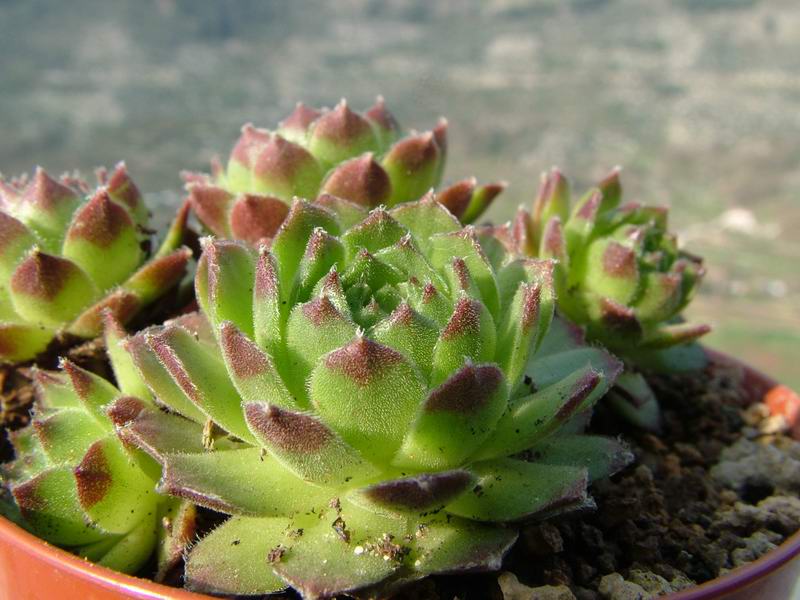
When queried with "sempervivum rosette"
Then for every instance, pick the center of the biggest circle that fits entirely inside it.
(619, 273)
(335, 155)
(77, 485)
(67, 254)
(367, 396)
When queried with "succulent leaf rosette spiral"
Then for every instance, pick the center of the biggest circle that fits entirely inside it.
(76, 485)
(338, 156)
(377, 403)
(620, 274)
(67, 254)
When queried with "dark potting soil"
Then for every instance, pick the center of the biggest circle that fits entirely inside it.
(716, 488)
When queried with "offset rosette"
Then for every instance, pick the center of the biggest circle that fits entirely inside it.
(339, 153)
(78, 486)
(66, 256)
(619, 273)
(366, 395)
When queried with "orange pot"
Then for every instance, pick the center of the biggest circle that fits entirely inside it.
(31, 569)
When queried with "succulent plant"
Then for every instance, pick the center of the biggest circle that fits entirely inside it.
(67, 254)
(335, 155)
(76, 485)
(619, 273)
(377, 403)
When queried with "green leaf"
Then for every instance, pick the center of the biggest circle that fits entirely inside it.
(158, 275)
(676, 359)
(290, 242)
(103, 241)
(601, 456)
(322, 253)
(470, 334)
(464, 244)
(54, 390)
(373, 381)
(93, 391)
(126, 375)
(153, 373)
(306, 446)
(633, 399)
(534, 417)
(410, 333)
(413, 167)
(379, 230)
(612, 271)
(314, 328)
(177, 531)
(232, 559)
(30, 458)
(112, 489)
(419, 494)
(251, 370)
(202, 377)
(454, 545)
(429, 301)
(67, 434)
(340, 134)
(455, 419)
(49, 504)
(510, 490)
(406, 258)
(15, 242)
(342, 552)
(269, 307)
(50, 290)
(134, 550)
(156, 432)
(23, 341)
(244, 482)
(347, 213)
(224, 283)
(425, 218)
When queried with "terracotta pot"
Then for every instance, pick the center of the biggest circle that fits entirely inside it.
(31, 569)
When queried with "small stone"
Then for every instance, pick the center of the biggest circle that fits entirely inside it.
(643, 474)
(772, 425)
(514, 590)
(681, 582)
(689, 454)
(750, 464)
(543, 539)
(614, 587)
(756, 546)
(755, 413)
(650, 582)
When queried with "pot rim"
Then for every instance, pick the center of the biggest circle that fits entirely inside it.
(756, 383)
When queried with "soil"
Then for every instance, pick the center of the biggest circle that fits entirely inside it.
(715, 489)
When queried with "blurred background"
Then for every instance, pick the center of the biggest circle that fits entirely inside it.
(699, 100)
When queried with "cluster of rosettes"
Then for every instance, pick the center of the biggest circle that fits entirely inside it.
(77, 485)
(619, 274)
(619, 269)
(67, 254)
(327, 155)
(366, 388)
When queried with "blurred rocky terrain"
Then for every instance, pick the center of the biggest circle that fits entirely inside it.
(698, 99)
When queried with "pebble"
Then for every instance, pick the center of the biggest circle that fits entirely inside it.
(749, 463)
(614, 587)
(514, 590)
(756, 546)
